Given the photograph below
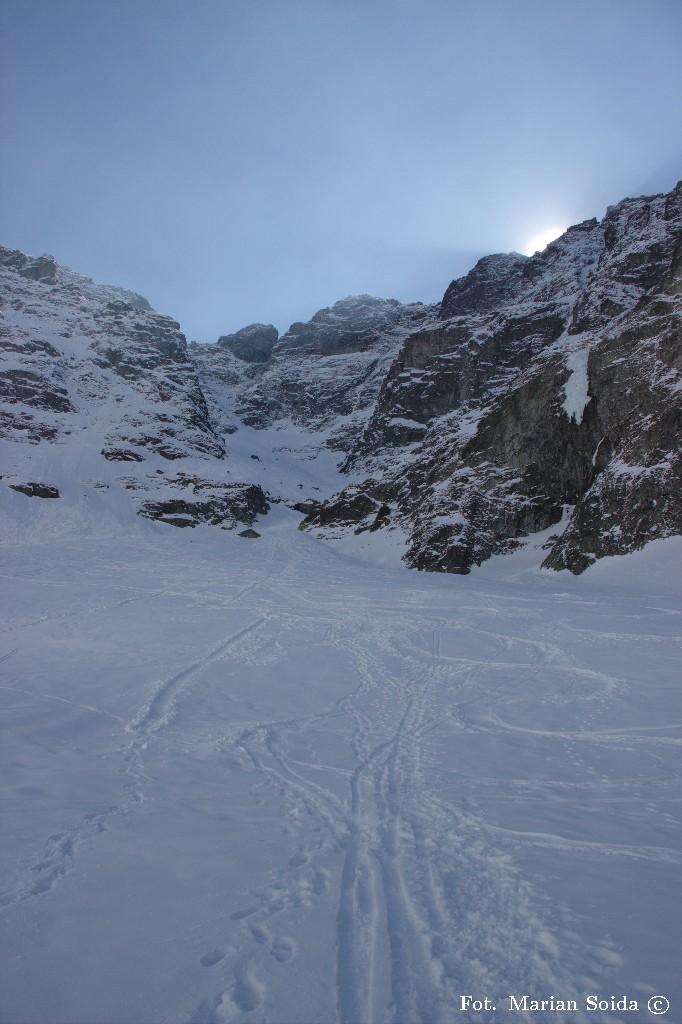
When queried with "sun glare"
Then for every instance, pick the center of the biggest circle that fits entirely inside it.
(539, 242)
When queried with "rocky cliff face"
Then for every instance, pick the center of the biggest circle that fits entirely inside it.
(547, 394)
(324, 375)
(101, 387)
(541, 393)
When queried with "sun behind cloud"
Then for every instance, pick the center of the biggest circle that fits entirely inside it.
(540, 241)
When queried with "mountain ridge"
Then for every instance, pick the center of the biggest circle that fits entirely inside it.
(541, 392)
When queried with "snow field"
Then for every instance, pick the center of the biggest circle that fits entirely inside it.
(266, 781)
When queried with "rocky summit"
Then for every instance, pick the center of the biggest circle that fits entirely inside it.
(540, 397)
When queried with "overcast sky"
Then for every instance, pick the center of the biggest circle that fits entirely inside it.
(253, 160)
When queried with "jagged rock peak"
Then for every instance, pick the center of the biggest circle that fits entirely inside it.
(493, 280)
(46, 270)
(502, 277)
(356, 307)
(252, 344)
(633, 242)
(43, 269)
(352, 324)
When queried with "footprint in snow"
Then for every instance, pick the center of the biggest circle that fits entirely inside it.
(240, 914)
(260, 933)
(299, 859)
(283, 949)
(212, 958)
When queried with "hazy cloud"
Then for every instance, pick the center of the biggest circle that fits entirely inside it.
(256, 159)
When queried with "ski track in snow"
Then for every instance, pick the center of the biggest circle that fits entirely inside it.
(159, 711)
(405, 855)
(428, 900)
(59, 852)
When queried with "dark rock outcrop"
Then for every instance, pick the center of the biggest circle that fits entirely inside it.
(121, 455)
(224, 505)
(36, 490)
(43, 269)
(252, 344)
(34, 389)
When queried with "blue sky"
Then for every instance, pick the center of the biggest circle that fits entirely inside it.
(254, 160)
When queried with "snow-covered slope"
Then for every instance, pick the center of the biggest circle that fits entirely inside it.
(266, 781)
(253, 773)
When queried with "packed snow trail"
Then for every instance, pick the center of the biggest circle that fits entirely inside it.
(263, 781)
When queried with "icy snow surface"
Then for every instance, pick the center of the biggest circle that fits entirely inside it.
(268, 780)
(575, 388)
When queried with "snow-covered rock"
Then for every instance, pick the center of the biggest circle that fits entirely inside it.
(324, 375)
(543, 392)
(543, 378)
(99, 399)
